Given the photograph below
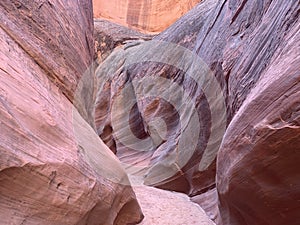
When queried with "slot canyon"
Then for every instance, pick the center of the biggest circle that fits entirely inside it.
(128, 112)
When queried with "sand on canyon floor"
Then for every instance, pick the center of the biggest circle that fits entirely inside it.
(162, 207)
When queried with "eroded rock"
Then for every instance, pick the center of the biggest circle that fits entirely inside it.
(45, 174)
(146, 16)
(156, 143)
(258, 164)
(109, 35)
(252, 49)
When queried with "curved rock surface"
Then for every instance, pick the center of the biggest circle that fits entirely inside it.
(259, 63)
(109, 35)
(158, 144)
(208, 201)
(46, 175)
(252, 49)
(147, 16)
(223, 77)
(258, 164)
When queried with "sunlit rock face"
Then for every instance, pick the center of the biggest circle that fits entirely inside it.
(46, 175)
(147, 16)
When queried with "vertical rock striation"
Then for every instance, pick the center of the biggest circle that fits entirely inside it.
(146, 16)
(155, 156)
(252, 50)
(46, 175)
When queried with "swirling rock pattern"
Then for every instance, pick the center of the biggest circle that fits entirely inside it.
(46, 47)
(147, 16)
(257, 178)
(165, 139)
(252, 48)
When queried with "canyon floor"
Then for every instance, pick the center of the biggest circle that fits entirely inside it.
(161, 207)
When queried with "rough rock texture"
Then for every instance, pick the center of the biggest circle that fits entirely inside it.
(46, 175)
(109, 35)
(162, 207)
(146, 16)
(28, 23)
(208, 201)
(252, 49)
(184, 176)
(159, 108)
(260, 64)
(258, 164)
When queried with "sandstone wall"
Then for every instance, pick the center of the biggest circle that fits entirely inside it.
(147, 16)
(252, 50)
(45, 174)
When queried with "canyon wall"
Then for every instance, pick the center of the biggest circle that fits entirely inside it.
(208, 107)
(45, 174)
(147, 16)
(252, 49)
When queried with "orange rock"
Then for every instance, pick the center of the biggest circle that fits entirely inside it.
(147, 16)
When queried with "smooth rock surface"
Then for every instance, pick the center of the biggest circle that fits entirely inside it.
(252, 49)
(46, 175)
(208, 201)
(179, 176)
(258, 165)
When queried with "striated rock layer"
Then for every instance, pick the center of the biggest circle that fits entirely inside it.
(155, 149)
(147, 16)
(257, 178)
(110, 35)
(46, 175)
(252, 50)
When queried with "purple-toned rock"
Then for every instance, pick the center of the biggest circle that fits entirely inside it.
(144, 124)
(252, 49)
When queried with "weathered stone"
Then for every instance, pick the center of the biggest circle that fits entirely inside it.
(186, 176)
(47, 28)
(208, 201)
(258, 165)
(46, 175)
(252, 49)
(147, 16)
(109, 35)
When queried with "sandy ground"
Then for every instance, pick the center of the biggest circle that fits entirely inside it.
(162, 207)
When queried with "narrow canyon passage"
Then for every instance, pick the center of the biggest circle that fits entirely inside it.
(153, 112)
(157, 87)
